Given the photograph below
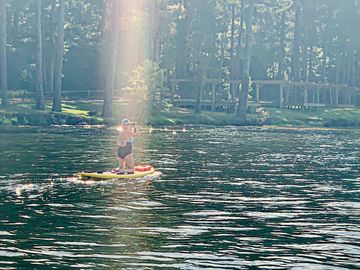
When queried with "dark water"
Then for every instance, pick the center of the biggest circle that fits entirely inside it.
(230, 199)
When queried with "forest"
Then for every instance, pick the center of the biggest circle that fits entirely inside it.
(53, 49)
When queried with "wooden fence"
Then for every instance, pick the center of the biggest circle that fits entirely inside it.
(286, 93)
(282, 94)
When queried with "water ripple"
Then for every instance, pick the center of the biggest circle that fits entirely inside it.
(230, 198)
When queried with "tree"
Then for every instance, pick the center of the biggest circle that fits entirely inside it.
(182, 28)
(295, 68)
(232, 45)
(240, 35)
(244, 92)
(39, 59)
(154, 37)
(282, 47)
(197, 85)
(49, 54)
(111, 57)
(292, 39)
(3, 62)
(59, 58)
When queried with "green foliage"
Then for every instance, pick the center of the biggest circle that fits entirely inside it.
(191, 35)
(148, 82)
(263, 115)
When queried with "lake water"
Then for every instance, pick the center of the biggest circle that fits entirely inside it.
(230, 198)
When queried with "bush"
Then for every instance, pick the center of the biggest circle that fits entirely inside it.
(263, 115)
(147, 81)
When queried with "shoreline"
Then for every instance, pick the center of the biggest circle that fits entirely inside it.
(87, 114)
(178, 129)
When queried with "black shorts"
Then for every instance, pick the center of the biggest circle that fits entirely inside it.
(123, 151)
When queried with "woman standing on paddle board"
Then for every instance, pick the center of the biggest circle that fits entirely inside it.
(127, 132)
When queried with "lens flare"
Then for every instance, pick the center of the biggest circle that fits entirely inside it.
(127, 46)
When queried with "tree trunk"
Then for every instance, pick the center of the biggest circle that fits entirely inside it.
(310, 76)
(49, 53)
(45, 51)
(197, 84)
(349, 77)
(304, 55)
(15, 29)
(154, 41)
(59, 58)
(189, 34)
(295, 68)
(180, 64)
(353, 69)
(52, 51)
(39, 56)
(222, 54)
(337, 65)
(239, 40)
(282, 46)
(3, 62)
(232, 44)
(245, 86)
(238, 48)
(112, 55)
(324, 56)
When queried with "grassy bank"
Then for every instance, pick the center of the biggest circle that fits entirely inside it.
(88, 113)
(24, 115)
(331, 117)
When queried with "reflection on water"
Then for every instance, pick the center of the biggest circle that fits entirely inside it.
(230, 198)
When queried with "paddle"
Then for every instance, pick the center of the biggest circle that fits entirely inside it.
(141, 115)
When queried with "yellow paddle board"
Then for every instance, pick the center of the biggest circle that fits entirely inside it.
(110, 175)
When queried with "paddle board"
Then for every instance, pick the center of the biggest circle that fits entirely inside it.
(112, 175)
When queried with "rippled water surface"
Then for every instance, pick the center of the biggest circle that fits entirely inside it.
(230, 198)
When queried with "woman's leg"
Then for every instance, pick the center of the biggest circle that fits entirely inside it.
(129, 161)
(121, 164)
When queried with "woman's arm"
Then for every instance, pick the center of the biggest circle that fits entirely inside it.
(136, 131)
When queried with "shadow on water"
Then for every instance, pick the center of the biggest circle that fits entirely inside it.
(230, 198)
